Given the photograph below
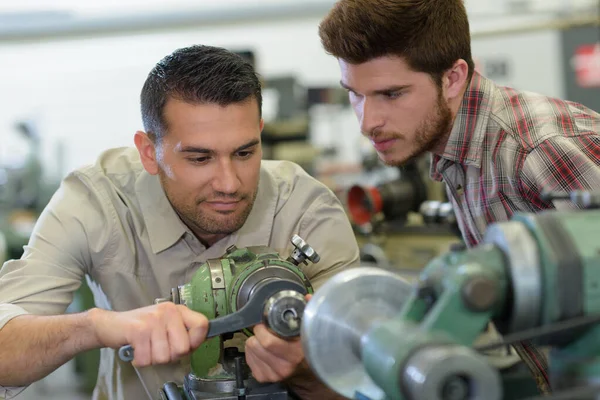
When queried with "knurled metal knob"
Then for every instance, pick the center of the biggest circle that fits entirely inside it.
(303, 251)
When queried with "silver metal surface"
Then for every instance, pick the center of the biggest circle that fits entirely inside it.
(283, 313)
(373, 254)
(303, 251)
(449, 372)
(336, 318)
(521, 250)
(216, 274)
(181, 295)
(260, 276)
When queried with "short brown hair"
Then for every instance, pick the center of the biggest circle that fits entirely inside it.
(430, 35)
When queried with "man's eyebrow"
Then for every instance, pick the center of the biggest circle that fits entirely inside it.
(203, 150)
(195, 149)
(246, 146)
(342, 84)
(390, 89)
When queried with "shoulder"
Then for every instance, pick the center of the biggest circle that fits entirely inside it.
(291, 182)
(115, 169)
(530, 119)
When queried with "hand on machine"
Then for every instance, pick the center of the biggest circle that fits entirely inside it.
(246, 287)
(369, 335)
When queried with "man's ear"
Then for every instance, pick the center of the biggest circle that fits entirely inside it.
(147, 150)
(455, 79)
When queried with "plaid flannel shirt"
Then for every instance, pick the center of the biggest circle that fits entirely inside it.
(506, 148)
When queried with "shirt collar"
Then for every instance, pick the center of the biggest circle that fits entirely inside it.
(468, 131)
(256, 231)
(162, 222)
(165, 227)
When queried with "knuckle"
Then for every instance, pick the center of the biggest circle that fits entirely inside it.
(180, 351)
(161, 358)
(270, 343)
(167, 308)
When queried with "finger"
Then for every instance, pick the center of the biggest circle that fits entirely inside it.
(142, 355)
(161, 352)
(308, 297)
(285, 349)
(261, 371)
(270, 366)
(196, 324)
(179, 340)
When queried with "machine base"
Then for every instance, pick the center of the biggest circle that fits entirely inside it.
(223, 390)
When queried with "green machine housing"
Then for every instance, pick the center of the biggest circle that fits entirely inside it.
(244, 287)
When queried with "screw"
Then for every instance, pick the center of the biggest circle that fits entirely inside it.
(480, 293)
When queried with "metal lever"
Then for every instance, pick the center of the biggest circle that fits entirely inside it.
(302, 252)
(249, 315)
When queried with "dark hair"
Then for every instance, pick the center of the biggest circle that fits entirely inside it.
(430, 35)
(197, 75)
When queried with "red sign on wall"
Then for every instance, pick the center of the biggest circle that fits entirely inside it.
(586, 63)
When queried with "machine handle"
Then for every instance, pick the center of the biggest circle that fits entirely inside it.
(249, 315)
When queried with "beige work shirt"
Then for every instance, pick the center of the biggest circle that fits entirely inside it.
(112, 223)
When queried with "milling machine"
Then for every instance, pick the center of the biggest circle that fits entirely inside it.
(368, 334)
(245, 287)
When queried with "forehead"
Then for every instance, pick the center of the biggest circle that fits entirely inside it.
(379, 73)
(210, 124)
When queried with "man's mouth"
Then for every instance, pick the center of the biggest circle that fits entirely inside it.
(383, 144)
(223, 205)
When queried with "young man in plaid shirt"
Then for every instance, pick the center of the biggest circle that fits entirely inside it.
(408, 69)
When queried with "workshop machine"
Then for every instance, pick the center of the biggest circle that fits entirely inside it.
(403, 222)
(245, 287)
(369, 335)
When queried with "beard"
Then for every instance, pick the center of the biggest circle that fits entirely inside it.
(430, 134)
(211, 222)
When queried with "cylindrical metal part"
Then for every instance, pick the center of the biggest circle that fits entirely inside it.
(302, 252)
(171, 391)
(260, 277)
(449, 372)
(523, 261)
(283, 313)
(337, 317)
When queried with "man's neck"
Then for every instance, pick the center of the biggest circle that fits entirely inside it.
(454, 105)
(209, 239)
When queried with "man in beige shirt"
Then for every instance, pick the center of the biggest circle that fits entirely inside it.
(140, 221)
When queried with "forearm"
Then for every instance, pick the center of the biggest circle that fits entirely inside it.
(307, 386)
(31, 346)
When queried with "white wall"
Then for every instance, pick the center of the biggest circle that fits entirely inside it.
(85, 92)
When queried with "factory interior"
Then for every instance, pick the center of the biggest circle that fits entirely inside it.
(70, 81)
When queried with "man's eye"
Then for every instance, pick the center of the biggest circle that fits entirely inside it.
(199, 160)
(245, 154)
(393, 95)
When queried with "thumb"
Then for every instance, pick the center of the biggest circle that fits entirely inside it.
(308, 297)
(196, 324)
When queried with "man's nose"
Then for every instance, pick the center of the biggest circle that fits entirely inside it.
(226, 180)
(371, 117)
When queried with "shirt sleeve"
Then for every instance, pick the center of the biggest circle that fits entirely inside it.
(561, 164)
(43, 281)
(325, 226)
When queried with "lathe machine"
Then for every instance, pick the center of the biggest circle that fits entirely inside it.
(368, 334)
